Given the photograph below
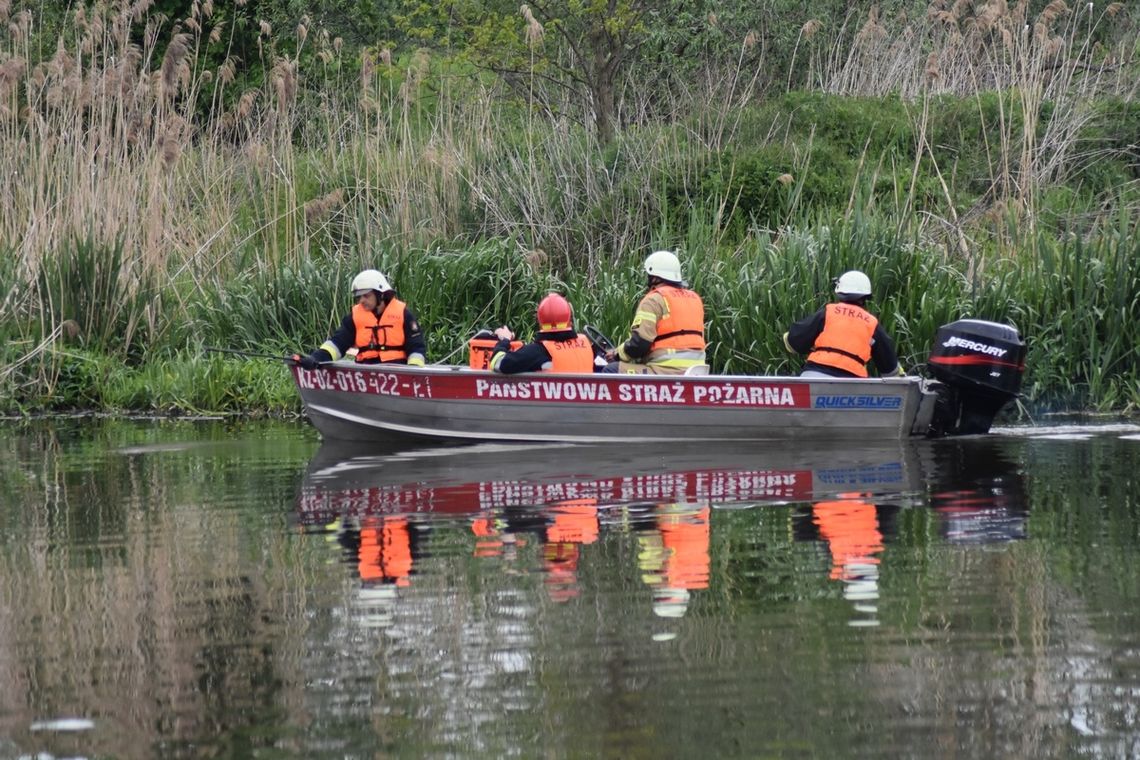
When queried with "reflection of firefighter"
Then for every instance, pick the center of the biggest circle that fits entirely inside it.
(488, 538)
(674, 556)
(563, 527)
(382, 547)
(573, 523)
(382, 550)
(851, 530)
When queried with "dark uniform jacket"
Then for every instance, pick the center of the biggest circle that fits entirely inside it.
(530, 357)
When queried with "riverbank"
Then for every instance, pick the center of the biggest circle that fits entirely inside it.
(153, 220)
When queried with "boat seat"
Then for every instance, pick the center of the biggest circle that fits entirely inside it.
(698, 369)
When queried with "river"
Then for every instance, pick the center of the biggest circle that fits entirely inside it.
(209, 589)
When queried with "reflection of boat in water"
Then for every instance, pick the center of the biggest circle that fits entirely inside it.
(470, 479)
(978, 492)
(561, 497)
(383, 505)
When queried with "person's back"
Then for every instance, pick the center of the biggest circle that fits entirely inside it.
(840, 339)
(667, 336)
(556, 348)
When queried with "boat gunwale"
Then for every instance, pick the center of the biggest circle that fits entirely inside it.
(459, 369)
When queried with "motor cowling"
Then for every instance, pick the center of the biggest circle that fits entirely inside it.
(979, 365)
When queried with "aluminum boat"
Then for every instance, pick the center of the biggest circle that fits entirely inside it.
(976, 366)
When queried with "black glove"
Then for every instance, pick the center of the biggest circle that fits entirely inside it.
(306, 362)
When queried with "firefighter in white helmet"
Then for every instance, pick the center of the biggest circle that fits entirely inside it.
(380, 327)
(841, 338)
(668, 332)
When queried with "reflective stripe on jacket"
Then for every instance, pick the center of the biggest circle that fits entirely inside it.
(682, 327)
(380, 339)
(569, 355)
(845, 342)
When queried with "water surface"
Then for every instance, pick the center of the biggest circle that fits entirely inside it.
(192, 590)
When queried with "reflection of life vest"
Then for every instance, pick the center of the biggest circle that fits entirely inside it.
(685, 538)
(385, 550)
(683, 326)
(380, 339)
(851, 530)
(574, 355)
(845, 342)
(487, 543)
(560, 565)
(575, 521)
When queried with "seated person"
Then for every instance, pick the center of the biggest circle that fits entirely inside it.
(842, 337)
(556, 348)
(380, 327)
(668, 332)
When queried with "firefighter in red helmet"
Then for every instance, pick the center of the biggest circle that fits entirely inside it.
(556, 348)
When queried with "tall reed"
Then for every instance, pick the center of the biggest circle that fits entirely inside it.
(1049, 68)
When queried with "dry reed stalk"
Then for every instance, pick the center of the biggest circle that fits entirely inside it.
(534, 32)
(109, 142)
(809, 29)
(992, 51)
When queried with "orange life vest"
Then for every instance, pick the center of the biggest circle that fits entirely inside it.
(386, 552)
(574, 355)
(380, 339)
(845, 342)
(683, 325)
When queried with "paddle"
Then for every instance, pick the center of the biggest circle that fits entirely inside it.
(249, 354)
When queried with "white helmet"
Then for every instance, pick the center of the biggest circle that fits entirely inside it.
(853, 284)
(664, 264)
(369, 279)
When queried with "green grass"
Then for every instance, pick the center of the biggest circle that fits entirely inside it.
(1076, 301)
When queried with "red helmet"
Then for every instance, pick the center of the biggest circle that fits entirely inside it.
(554, 313)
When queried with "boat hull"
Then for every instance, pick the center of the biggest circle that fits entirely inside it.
(352, 402)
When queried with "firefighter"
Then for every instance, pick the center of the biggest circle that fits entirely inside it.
(841, 338)
(668, 332)
(380, 328)
(556, 348)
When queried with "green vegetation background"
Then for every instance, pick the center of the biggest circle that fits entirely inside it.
(192, 174)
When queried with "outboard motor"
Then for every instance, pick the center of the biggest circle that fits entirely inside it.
(979, 365)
